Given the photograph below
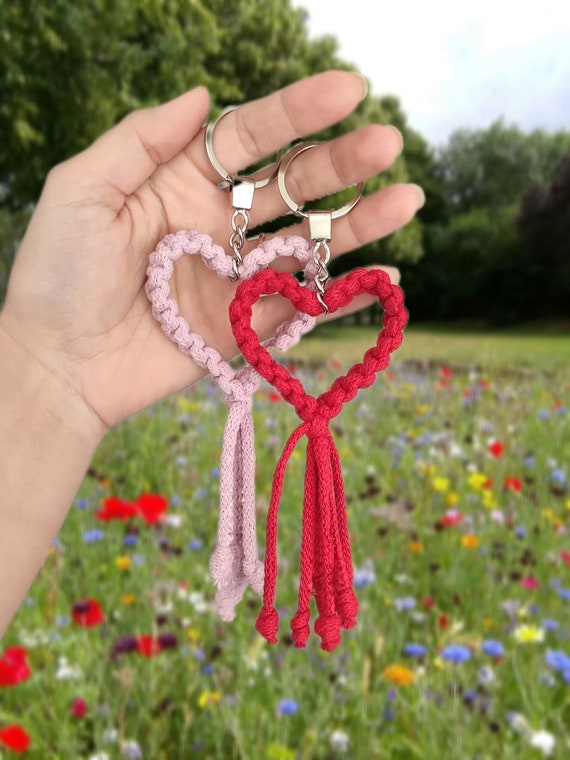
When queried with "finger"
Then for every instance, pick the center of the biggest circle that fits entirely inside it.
(259, 128)
(330, 167)
(374, 217)
(123, 158)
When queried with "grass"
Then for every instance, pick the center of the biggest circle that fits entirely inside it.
(536, 347)
(456, 474)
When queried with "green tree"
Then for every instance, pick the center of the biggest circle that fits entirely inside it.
(71, 70)
(493, 167)
(544, 224)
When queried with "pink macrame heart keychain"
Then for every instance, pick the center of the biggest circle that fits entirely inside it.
(234, 564)
(325, 557)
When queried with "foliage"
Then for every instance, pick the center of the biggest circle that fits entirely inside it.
(493, 167)
(544, 223)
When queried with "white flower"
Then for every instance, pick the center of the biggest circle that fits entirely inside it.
(67, 672)
(339, 741)
(174, 521)
(544, 741)
(100, 756)
(110, 735)
(196, 599)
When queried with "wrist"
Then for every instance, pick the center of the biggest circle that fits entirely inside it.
(41, 398)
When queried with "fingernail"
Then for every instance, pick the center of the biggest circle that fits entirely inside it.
(394, 274)
(363, 82)
(399, 135)
(420, 193)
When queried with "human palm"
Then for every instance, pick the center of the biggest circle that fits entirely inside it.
(76, 301)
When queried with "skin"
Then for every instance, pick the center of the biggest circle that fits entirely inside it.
(82, 350)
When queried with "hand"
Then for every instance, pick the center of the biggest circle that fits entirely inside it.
(76, 303)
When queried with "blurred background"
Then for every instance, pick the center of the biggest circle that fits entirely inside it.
(481, 96)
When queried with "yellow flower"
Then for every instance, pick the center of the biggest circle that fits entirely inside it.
(416, 547)
(193, 635)
(567, 505)
(209, 698)
(399, 675)
(279, 752)
(488, 499)
(441, 484)
(528, 634)
(470, 541)
(451, 499)
(426, 469)
(488, 622)
(123, 563)
(422, 409)
(128, 598)
(477, 481)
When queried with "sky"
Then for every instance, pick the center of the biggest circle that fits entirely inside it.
(457, 65)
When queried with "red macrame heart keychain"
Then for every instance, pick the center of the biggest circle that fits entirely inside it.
(325, 556)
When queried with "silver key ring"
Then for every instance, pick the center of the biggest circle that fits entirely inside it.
(297, 208)
(227, 179)
(320, 222)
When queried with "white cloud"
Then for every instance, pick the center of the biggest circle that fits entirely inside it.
(458, 66)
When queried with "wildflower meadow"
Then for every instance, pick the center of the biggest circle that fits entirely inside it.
(457, 481)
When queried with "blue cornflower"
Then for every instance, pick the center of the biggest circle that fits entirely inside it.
(520, 531)
(558, 476)
(130, 540)
(493, 648)
(215, 472)
(195, 544)
(288, 707)
(557, 660)
(363, 577)
(529, 461)
(208, 669)
(82, 503)
(457, 653)
(175, 501)
(404, 603)
(543, 414)
(414, 650)
(549, 624)
(564, 593)
(94, 535)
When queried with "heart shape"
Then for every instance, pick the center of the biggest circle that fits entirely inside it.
(165, 309)
(233, 566)
(344, 388)
(326, 560)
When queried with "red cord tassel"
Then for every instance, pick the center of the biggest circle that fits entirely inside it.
(325, 555)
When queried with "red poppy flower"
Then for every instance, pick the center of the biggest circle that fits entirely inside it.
(14, 667)
(116, 509)
(87, 613)
(443, 622)
(512, 484)
(451, 518)
(496, 448)
(565, 557)
(148, 645)
(78, 708)
(151, 507)
(14, 738)
(428, 602)
(530, 583)
(274, 397)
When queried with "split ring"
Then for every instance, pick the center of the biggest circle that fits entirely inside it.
(227, 179)
(297, 208)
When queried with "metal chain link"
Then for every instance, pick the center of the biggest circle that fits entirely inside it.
(237, 239)
(321, 277)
